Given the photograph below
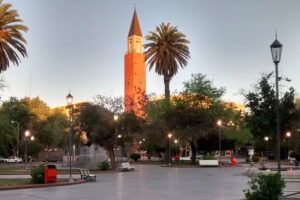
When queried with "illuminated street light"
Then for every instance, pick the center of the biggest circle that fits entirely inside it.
(288, 135)
(219, 124)
(69, 98)
(266, 138)
(169, 136)
(26, 134)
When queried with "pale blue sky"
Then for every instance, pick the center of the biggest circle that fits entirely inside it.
(80, 45)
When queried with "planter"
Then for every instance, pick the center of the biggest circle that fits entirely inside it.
(209, 163)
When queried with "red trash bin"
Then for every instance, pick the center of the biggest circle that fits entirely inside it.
(233, 161)
(177, 157)
(50, 174)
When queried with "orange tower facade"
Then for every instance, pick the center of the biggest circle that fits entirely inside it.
(135, 70)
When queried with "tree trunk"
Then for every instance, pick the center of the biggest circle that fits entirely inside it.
(194, 151)
(167, 80)
(111, 154)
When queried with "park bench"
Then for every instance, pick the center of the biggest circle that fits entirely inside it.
(209, 163)
(125, 166)
(85, 174)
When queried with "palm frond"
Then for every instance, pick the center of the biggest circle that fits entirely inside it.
(12, 42)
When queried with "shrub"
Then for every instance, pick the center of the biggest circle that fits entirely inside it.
(104, 166)
(208, 157)
(255, 158)
(135, 156)
(248, 160)
(265, 187)
(38, 174)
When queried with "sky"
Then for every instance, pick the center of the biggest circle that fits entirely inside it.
(79, 46)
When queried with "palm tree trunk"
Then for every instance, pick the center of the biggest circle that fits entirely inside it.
(167, 80)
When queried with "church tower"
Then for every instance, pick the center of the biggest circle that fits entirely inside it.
(135, 70)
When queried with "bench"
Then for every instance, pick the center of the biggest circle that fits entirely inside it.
(126, 167)
(209, 163)
(85, 174)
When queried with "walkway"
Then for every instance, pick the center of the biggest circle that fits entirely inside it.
(148, 183)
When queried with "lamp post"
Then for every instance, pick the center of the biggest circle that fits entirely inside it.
(18, 132)
(70, 108)
(276, 49)
(219, 124)
(288, 135)
(169, 136)
(176, 141)
(267, 140)
(26, 134)
(116, 117)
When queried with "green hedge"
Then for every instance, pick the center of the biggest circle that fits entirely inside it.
(38, 174)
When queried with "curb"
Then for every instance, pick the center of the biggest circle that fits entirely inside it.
(41, 185)
(62, 173)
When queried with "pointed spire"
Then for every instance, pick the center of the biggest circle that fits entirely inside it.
(135, 26)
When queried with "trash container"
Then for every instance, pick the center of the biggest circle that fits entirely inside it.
(296, 163)
(177, 157)
(233, 161)
(50, 174)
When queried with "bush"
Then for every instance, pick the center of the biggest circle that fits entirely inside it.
(255, 158)
(265, 187)
(104, 166)
(248, 160)
(38, 174)
(135, 156)
(208, 157)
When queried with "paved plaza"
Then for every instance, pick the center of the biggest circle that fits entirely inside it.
(148, 182)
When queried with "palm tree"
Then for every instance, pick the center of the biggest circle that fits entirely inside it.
(167, 50)
(11, 39)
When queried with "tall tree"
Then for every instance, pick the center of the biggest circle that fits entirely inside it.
(11, 38)
(167, 50)
(98, 123)
(261, 102)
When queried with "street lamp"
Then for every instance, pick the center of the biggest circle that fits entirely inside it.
(69, 98)
(176, 141)
(219, 124)
(18, 132)
(26, 134)
(276, 49)
(267, 140)
(116, 117)
(288, 135)
(169, 136)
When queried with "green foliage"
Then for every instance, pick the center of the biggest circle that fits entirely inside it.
(255, 158)
(135, 156)
(261, 102)
(104, 166)
(265, 187)
(11, 37)
(7, 134)
(38, 174)
(208, 157)
(53, 131)
(37, 107)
